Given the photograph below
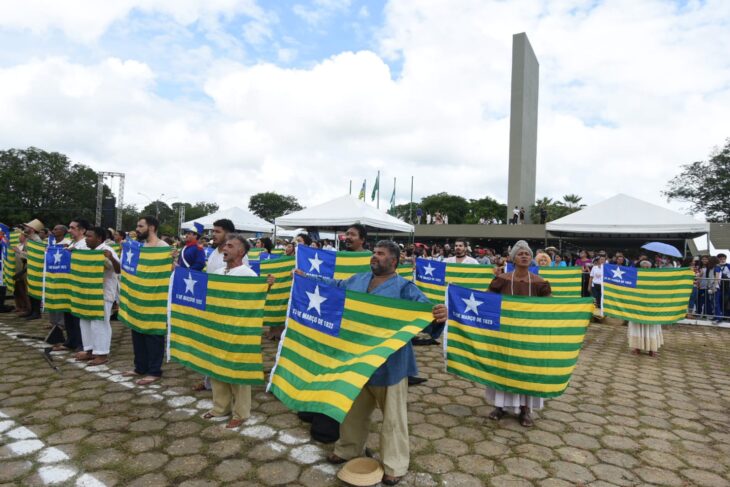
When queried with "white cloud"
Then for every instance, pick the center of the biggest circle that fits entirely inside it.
(629, 90)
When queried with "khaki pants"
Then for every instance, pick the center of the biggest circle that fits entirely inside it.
(232, 399)
(394, 447)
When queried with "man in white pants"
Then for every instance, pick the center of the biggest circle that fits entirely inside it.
(96, 335)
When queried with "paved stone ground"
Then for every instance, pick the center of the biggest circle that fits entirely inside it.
(625, 420)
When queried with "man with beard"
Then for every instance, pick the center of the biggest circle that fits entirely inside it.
(96, 335)
(221, 229)
(77, 228)
(388, 386)
(460, 254)
(149, 350)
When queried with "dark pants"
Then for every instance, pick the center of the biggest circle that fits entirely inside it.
(73, 332)
(149, 351)
(597, 295)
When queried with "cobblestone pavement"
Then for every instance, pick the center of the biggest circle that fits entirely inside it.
(625, 420)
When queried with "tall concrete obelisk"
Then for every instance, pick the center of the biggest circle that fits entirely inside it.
(523, 126)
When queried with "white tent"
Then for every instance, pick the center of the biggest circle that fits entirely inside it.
(341, 212)
(626, 216)
(242, 220)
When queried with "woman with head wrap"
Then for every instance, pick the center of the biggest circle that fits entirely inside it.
(520, 282)
(642, 336)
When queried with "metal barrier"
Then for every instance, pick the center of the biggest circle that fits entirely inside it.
(710, 299)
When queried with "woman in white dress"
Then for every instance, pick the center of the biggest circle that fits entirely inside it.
(642, 336)
(520, 282)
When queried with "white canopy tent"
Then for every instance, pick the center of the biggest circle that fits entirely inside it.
(243, 220)
(341, 212)
(627, 217)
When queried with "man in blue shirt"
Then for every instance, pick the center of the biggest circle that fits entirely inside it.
(388, 386)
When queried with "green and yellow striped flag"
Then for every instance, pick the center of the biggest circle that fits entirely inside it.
(81, 290)
(36, 260)
(9, 264)
(347, 264)
(255, 253)
(145, 282)
(565, 282)
(405, 271)
(334, 342)
(277, 300)
(215, 325)
(433, 276)
(651, 296)
(525, 345)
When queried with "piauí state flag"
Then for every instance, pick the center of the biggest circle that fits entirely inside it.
(651, 296)
(564, 281)
(334, 341)
(329, 263)
(36, 253)
(520, 344)
(405, 271)
(361, 195)
(277, 299)
(144, 287)
(75, 285)
(215, 325)
(9, 260)
(432, 277)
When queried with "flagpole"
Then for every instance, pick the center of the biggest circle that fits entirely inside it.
(392, 202)
(411, 210)
(377, 182)
(350, 187)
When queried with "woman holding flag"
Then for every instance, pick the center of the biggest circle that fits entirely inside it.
(519, 282)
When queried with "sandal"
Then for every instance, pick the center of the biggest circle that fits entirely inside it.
(145, 381)
(208, 415)
(391, 480)
(98, 361)
(497, 414)
(336, 460)
(234, 423)
(199, 387)
(130, 373)
(526, 420)
(83, 356)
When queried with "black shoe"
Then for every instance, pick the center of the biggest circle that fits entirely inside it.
(32, 317)
(414, 381)
(6, 309)
(420, 342)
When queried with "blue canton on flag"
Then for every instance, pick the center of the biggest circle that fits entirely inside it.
(474, 308)
(268, 256)
(316, 261)
(317, 305)
(255, 266)
(58, 260)
(511, 267)
(620, 275)
(190, 288)
(208, 251)
(431, 271)
(130, 256)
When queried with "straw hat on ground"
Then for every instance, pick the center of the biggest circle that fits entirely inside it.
(361, 472)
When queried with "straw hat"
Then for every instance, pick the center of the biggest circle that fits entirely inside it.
(361, 472)
(34, 224)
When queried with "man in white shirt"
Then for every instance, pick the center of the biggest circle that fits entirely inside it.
(77, 228)
(595, 281)
(96, 335)
(233, 399)
(460, 254)
(221, 229)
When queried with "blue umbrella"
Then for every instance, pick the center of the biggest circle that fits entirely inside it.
(662, 248)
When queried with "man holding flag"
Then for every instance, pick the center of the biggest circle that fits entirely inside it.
(388, 386)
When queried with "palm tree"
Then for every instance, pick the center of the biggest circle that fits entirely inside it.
(572, 201)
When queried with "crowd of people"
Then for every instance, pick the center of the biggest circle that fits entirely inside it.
(223, 251)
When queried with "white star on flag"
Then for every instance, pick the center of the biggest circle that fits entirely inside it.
(429, 269)
(472, 304)
(129, 257)
(315, 300)
(618, 273)
(315, 263)
(190, 284)
(57, 257)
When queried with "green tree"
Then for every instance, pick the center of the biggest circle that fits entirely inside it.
(555, 209)
(706, 185)
(130, 215)
(45, 185)
(486, 207)
(573, 201)
(272, 205)
(199, 210)
(456, 207)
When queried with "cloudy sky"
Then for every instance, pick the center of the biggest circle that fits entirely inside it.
(216, 100)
